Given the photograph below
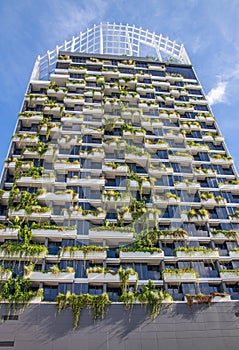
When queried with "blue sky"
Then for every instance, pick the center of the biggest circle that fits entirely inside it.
(209, 29)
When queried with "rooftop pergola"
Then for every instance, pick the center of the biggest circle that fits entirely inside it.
(113, 39)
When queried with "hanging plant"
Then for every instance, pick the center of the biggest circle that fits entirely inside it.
(17, 292)
(96, 303)
(124, 278)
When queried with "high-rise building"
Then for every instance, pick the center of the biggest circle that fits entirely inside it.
(118, 186)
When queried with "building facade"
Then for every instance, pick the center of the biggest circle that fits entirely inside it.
(118, 183)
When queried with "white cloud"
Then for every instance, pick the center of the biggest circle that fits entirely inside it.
(217, 94)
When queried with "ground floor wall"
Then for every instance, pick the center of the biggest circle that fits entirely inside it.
(178, 327)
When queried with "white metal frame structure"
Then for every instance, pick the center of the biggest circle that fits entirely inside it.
(112, 39)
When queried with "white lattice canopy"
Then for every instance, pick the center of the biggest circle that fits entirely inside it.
(114, 39)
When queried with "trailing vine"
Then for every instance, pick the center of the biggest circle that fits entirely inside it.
(96, 303)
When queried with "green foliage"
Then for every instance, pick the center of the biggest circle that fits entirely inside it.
(138, 246)
(137, 208)
(22, 249)
(113, 227)
(85, 249)
(202, 250)
(25, 234)
(228, 234)
(180, 271)
(150, 296)
(124, 278)
(17, 291)
(49, 226)
(96, 303)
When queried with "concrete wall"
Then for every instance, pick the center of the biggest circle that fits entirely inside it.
(177, 328)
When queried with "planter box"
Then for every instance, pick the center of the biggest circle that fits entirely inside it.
(234, 255)
(141, 256)
(220, 299)
(79, 255)
(34, 216)
(180, 159)
(62, 277)
(119, 202)
(57, 198)
(65, 167)
(8, 233)
(198, 255)
(179, 277)
(48, 233)
(229, 276)
(98, 183)
(24, 257)
(111, 235)
(229, 188)
(108, 278)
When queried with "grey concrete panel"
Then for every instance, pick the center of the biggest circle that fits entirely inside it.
(176, 328)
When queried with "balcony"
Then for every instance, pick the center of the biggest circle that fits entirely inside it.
(182, 159)
(180, 276)
(8, 233)
(20, 256)
(43, 181)
(54, 234)
(198, 253)
(115, 170)
(229, 187)
(138, 256)
(71, 119)
(116, 201)
(229, 275)
(90, 130)
(59, 94)
(113, 145)
(190, 187)
(204, 173)
(61, 277)
(57, 197)
(96, 256)
(137, 136)
(135, 186)
(200, 217)
(211, 203)
(29, 118)
(75, 84)
(64, 167)
(224, 235)
(38, 215)
(216, 139)
(154, 146)
(60, 77)
(195, 149)
(94, 183)
(71, 100)
(223, 160)
(94, 216)
(163, 202)
(111, 236)
(142, 159)
(172, 78)
(182, 109)
(53, 110)
(234, 254)
(25, 140)
(174, 135)
(159, 171)
(94, 277)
